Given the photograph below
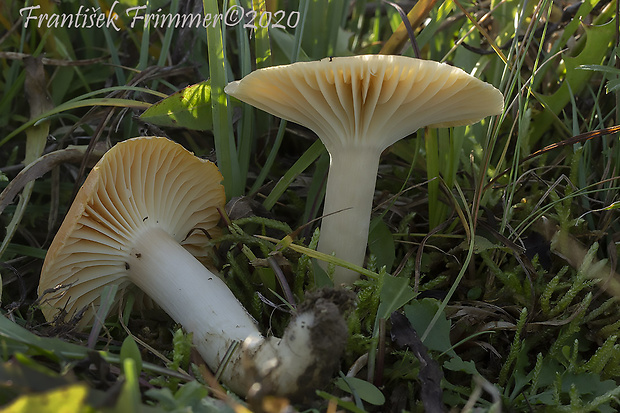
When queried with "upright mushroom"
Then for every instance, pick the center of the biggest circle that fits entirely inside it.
(140, 217)
(358, 106)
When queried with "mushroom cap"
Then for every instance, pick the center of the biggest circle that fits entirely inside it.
(370, 99)
(139, 183)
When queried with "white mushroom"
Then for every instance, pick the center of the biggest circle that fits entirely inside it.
(129, 224)
(358, 106)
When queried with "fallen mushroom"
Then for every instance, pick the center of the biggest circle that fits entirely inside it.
(129, 224)
(358, 106)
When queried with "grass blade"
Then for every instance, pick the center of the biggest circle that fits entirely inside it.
(225, 146)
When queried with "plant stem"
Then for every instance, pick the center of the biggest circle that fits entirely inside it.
(194, 297)
(348, 205)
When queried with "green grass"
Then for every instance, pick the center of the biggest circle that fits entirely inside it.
(497, 238)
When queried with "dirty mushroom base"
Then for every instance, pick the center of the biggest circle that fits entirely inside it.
(318, 333)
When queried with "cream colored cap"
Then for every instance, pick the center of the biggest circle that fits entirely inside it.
(139, 183)
(369, 100)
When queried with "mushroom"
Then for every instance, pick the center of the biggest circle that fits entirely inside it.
(142, 217)
(358, 106)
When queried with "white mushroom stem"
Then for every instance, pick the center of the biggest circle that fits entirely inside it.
(193, 296)
(202, 303)
(348, 205)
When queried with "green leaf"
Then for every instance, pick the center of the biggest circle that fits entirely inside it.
(600, 68)
(224, 140)
(191, 397)
(395, 293)
(420, 313)
(26, 376)
(107, 300)
(431, 141)
(25, 250)
(480, 244)
(365, 390)
(381, 243)
(458, 364)
(285, 43)
(321, 278)
(261, 38)
(65, 399)
(597, 45)
(612, 86)
(304, 161)
(129, 399)
(130, 350)
(12, 336)
(587, 383)
(188, 108)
